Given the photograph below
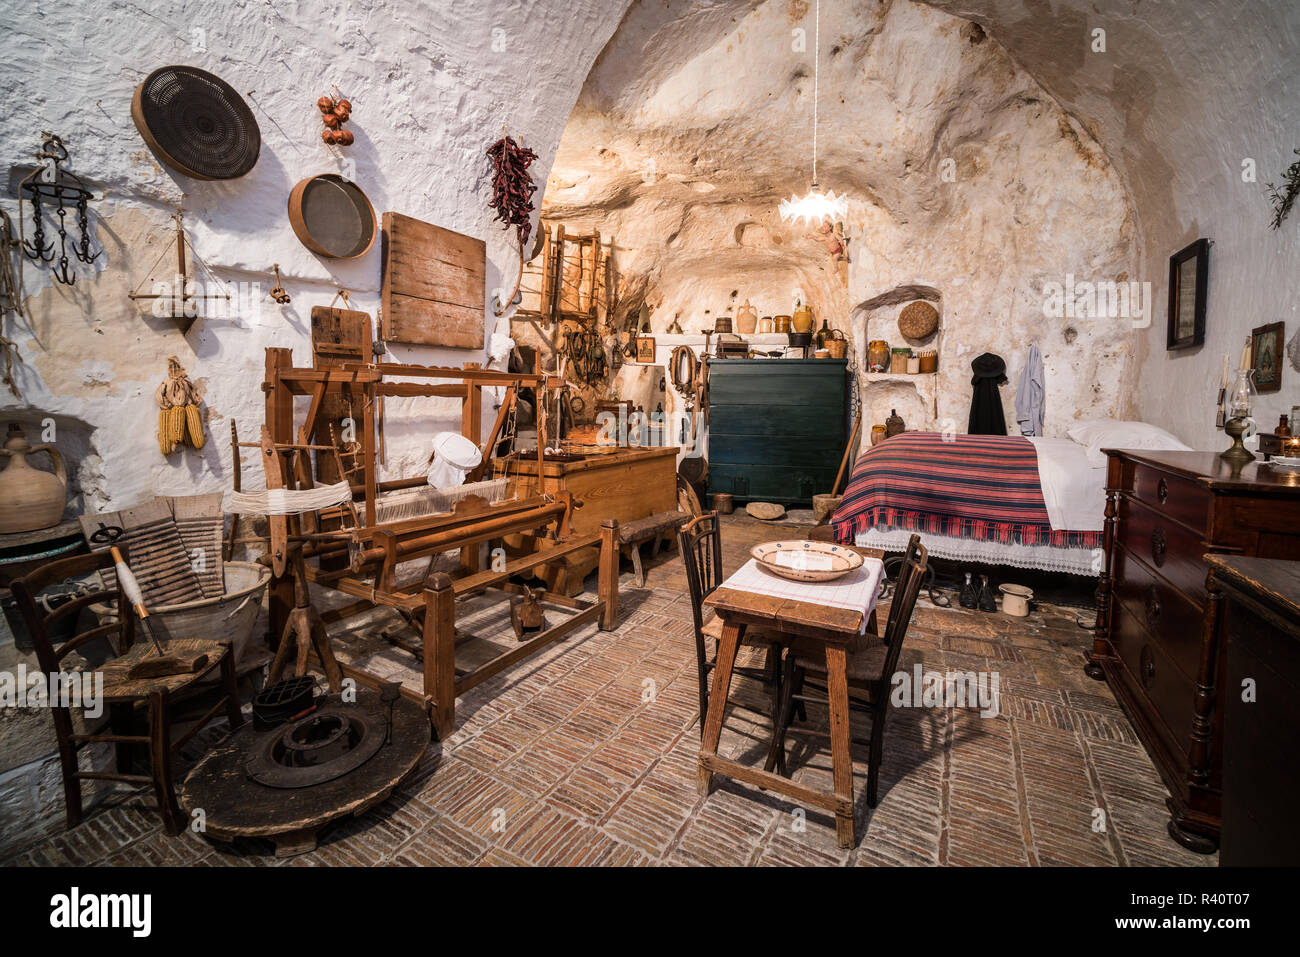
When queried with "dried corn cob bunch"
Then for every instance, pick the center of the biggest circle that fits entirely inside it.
(179, 420)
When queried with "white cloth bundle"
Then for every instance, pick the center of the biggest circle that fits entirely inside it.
(288, 501)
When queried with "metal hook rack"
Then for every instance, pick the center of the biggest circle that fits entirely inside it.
(60, 189)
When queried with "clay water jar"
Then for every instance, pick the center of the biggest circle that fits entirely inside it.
(746, 319)
(29, 498)
(878, 356)
(802, 320)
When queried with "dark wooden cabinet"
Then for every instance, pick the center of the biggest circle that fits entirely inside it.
(1261, 710)
(1159, 630)
(776, 427)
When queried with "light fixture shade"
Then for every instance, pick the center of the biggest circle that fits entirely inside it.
(815, 207)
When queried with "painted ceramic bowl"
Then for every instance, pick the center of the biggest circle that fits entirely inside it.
(804, 561)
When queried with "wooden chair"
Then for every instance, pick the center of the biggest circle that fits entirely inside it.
(700, 544)
(872, 661)
(121, 694)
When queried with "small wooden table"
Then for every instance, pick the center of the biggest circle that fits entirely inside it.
(835, 628)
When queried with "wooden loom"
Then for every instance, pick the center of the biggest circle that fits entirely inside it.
(360, 560)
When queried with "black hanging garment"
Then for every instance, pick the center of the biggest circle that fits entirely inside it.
(986, 416)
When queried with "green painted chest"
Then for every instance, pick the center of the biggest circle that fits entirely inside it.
(776, 427)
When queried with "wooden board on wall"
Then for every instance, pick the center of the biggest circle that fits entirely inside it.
(433, 284)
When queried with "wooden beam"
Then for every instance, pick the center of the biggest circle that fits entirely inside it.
(522, 651)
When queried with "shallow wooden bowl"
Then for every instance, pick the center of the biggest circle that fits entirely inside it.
(804, 561)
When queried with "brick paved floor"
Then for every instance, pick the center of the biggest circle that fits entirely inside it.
(586, 754)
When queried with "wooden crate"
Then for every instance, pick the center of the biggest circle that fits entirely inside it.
(627, 485)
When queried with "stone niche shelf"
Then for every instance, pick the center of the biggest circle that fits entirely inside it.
(899, 376)
(914, 395)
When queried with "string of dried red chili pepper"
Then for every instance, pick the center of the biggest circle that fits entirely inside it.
(512, 187)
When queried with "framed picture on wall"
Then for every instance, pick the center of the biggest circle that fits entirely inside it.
(645, 349)
(1188, 281)
(1266, 352)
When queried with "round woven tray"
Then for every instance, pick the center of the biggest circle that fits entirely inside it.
(918, 320)
(196, 123)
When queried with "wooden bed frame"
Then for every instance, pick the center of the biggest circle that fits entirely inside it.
(361, 560)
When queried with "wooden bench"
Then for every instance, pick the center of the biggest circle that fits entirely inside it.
(653, 528)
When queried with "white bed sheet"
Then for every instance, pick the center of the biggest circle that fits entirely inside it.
(1074, 491)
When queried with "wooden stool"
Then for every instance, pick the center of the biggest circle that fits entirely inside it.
(653, 528)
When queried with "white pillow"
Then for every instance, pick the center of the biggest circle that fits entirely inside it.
(1097, 434)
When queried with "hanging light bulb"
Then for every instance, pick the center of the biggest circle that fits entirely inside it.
(815, 206)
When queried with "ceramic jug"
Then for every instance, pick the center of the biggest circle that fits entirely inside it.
(878, 355)
(802, 320)
(746, 319)
(29, 498)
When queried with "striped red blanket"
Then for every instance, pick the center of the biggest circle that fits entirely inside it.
(984, 487)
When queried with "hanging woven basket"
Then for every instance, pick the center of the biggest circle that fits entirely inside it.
(918, 320)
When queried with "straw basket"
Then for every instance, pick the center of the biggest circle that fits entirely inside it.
(918, 320)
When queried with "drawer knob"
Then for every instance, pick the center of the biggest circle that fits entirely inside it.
(1159, 545)
(1147, 664)
(1162, 491)
(1153, 607)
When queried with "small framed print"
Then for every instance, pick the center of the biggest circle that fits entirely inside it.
(645, 349)
(1266, 352)
(1189, 275)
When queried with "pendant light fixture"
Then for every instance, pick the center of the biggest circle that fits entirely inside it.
(816, 206)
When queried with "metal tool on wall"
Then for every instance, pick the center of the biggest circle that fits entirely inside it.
(60, 190)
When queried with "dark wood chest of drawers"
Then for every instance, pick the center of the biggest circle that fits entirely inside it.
(1159, 631)
(1261, 710)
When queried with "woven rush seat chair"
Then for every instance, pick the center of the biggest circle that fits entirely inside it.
(122, 695)
(700, 544)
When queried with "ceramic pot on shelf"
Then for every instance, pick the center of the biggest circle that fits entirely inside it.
(894, 424)
(877, 434)
(878, 356)
(29, 498)
(746, 319)
(802, 320)
(766, 326)
(782, 323)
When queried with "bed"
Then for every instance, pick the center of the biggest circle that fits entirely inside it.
(1027, 502)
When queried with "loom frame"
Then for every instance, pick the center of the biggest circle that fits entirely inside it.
(374, 550)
